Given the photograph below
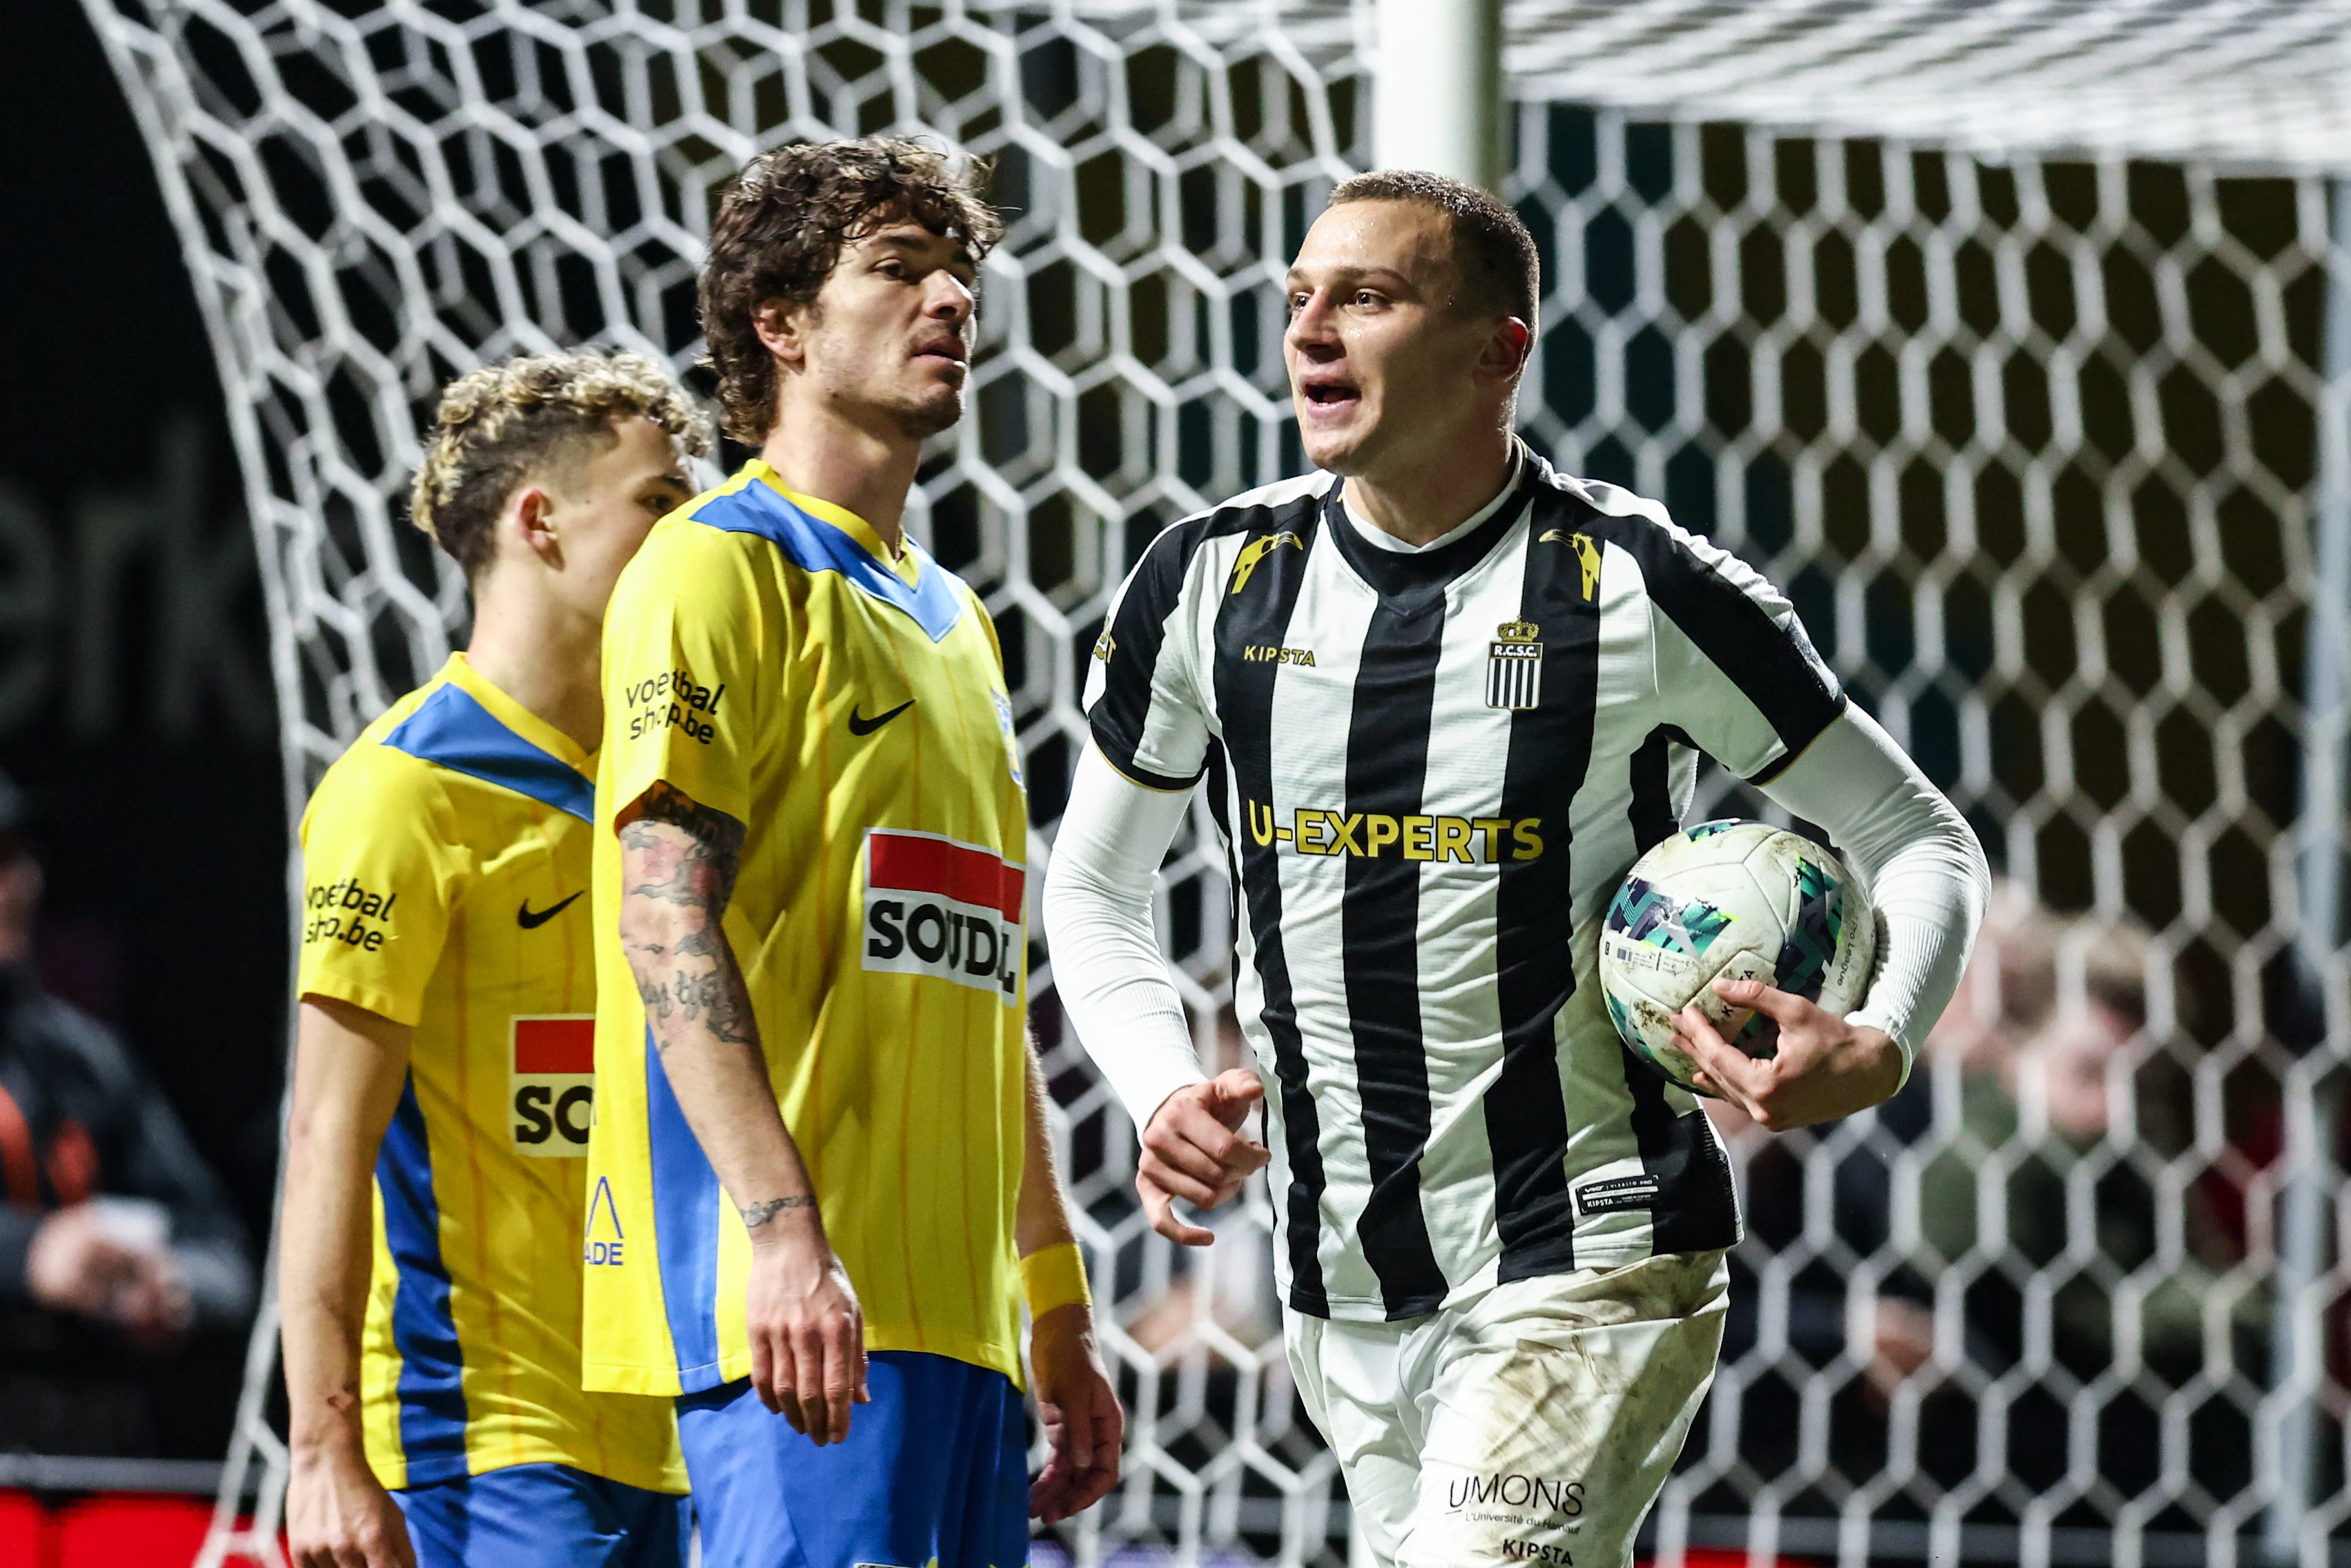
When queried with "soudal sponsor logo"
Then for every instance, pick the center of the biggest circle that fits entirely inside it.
(346, 912)
(952, 911)
(672, 699)
(1375, 835)
(554, 1084)
(1517, 1490)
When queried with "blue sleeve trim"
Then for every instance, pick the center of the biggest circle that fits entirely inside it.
(452, 730)
(685, 1230)
(431, 1388)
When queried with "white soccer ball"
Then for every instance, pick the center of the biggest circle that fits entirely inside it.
(1739, 899)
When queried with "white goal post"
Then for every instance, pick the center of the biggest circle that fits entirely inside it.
(2010, 338)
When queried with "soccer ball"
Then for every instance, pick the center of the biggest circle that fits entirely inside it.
(1742, 899)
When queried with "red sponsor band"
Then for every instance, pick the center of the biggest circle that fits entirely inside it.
(906, 862)
(555, 1045)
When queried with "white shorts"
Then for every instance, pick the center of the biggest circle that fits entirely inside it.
(1534, 1424)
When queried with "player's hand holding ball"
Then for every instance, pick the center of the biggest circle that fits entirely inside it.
(1825, 1067)
(807, 1330)
(1194, 1150)
(1730, 960)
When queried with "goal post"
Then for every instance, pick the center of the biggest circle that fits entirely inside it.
(2033, 396)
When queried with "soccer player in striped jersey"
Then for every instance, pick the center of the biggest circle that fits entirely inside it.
(435, 1175)
(1443, 696)
(820, 1130)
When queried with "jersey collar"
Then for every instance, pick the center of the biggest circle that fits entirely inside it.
(459, 672)
(818, 536)
(1414, 581)
(907, 565)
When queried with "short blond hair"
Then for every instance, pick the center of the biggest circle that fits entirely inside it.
(534, 416)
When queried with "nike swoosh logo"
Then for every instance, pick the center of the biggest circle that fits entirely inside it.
(531, 920)
(859, 724)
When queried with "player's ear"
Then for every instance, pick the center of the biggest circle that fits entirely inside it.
(781, 325)
(531, 517)
(1506, 348)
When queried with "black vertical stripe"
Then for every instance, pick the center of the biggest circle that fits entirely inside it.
(1696, 1209)
(1135, 636)
(1534, 971)
(1652, 810)
(1258, 613)
(1387, 772)
(1774, 666)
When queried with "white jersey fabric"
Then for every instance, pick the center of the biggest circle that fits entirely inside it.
(1431, 770)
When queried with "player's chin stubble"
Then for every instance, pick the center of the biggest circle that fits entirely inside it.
(922, 418)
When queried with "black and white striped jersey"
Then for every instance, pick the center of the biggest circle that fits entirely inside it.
(1432, 770)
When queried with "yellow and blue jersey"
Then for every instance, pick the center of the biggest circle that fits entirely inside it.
(447, 872)
(765, 655)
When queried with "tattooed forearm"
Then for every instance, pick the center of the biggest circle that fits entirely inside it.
(678, 861)
(698, 870)
(754, 1215)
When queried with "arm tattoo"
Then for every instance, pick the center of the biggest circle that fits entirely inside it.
(754, 1215)
(705, 875)
(684, 855)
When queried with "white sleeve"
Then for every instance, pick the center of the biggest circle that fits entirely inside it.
(1107, 965)
(1917, 855)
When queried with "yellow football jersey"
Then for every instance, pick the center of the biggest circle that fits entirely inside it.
(447, 867)
(763, 654)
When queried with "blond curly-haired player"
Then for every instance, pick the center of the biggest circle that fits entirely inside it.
(435, 1208)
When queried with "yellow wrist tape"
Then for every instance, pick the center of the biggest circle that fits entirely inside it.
(1054, 1276)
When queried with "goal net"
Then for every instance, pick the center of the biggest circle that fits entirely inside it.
(2021, 388)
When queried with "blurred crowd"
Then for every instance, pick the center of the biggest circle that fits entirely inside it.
(2031, 1214)
(126, 1279)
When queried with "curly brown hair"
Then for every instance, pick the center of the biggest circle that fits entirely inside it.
(783, 224)
(534, 416)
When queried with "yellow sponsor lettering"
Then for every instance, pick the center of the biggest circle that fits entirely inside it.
(1375, 835)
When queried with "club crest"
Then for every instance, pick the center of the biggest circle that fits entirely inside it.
(1514, 665)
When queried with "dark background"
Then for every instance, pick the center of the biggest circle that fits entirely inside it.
(135, 703)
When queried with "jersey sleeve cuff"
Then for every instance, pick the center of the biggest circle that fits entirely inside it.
(1121, 756)
(376, 999)
(1054, 1276)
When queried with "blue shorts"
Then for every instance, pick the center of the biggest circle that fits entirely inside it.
(935, 1470)
(544, 1516)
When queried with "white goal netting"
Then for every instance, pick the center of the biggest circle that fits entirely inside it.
(2035, 442)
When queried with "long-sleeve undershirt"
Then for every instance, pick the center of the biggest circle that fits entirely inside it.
(1919, 860)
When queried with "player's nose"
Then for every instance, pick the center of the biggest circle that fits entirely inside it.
(1312, 328)
(950, 298)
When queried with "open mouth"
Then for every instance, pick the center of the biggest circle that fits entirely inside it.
(1330, 393)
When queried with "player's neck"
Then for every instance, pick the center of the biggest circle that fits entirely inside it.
(543, 654)
(1420, 501)
(817, 452)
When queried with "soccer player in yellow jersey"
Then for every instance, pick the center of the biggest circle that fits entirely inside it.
(436, 1184)
(820, 1127)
